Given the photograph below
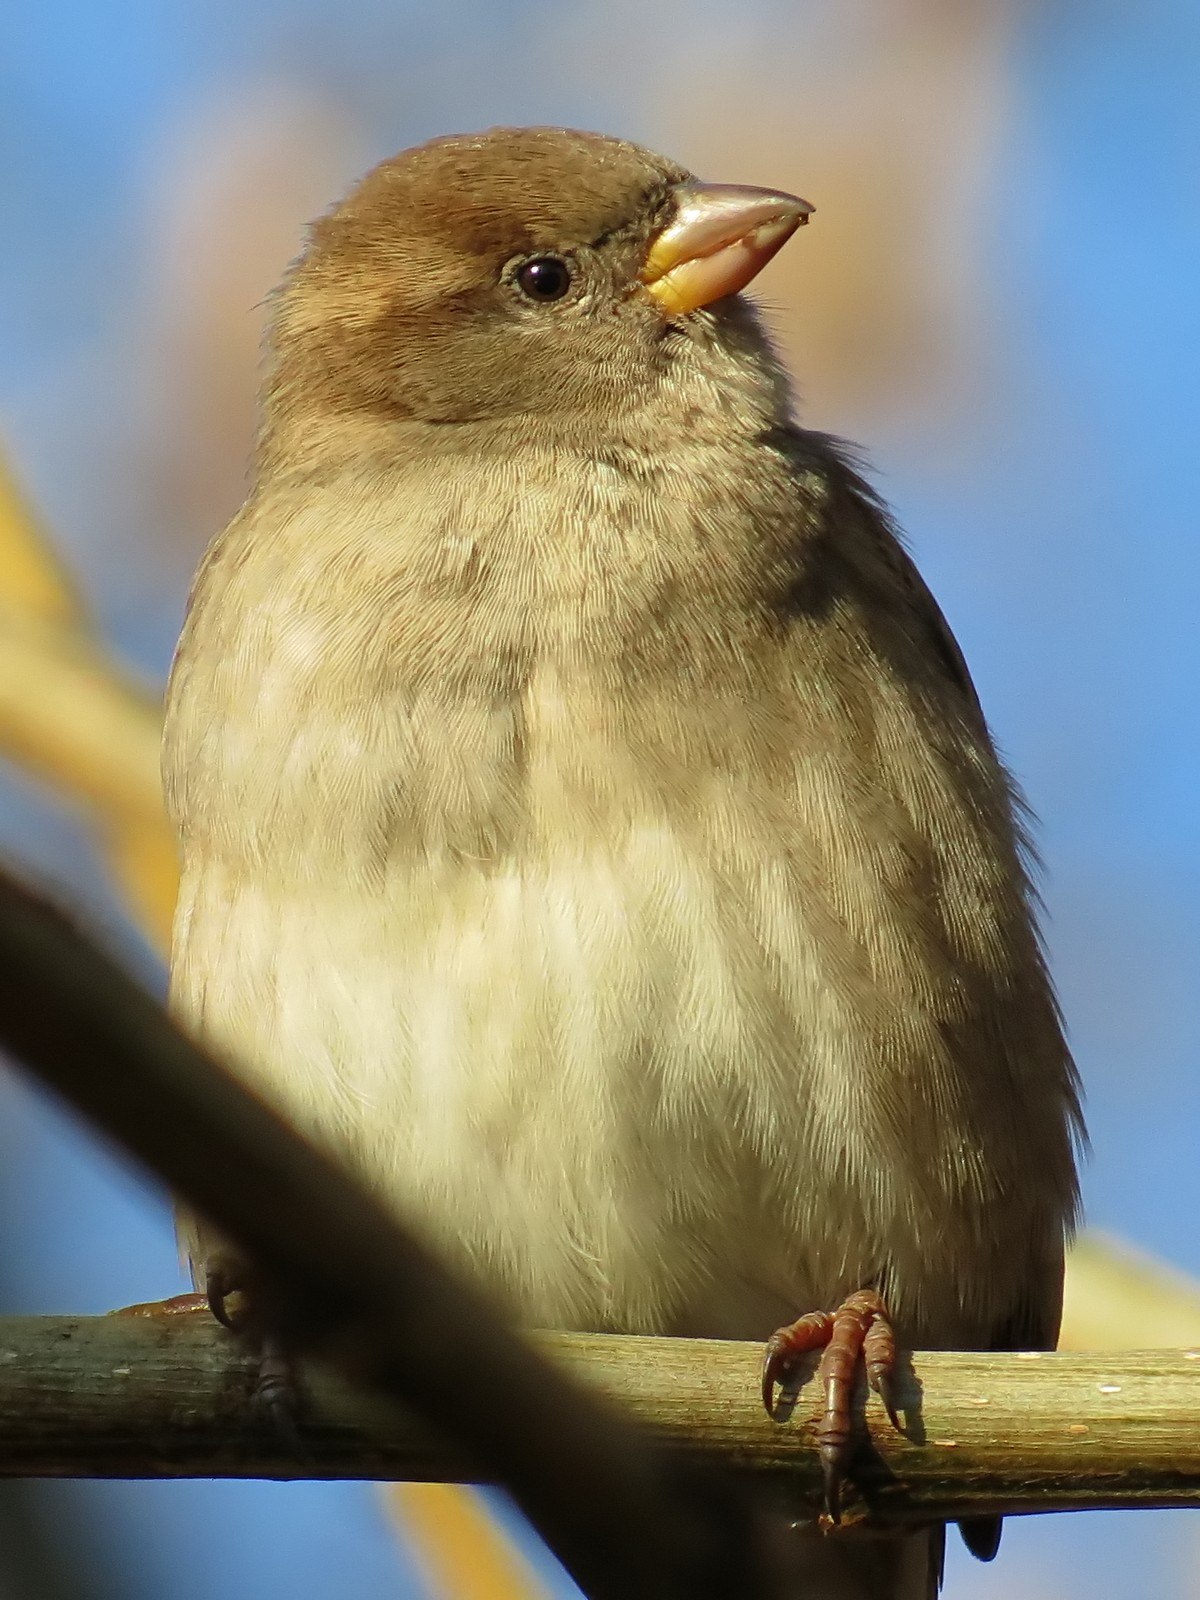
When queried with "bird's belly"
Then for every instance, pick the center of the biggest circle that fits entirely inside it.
(584, 1080)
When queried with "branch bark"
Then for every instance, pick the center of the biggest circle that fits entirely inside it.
(132, 1397)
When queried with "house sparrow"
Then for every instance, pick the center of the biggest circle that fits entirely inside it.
(589, 827)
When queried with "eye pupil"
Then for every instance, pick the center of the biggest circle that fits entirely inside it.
(545, 278)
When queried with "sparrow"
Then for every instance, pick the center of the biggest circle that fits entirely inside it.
(589, 828)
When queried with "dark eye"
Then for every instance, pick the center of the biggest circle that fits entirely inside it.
(545, 278)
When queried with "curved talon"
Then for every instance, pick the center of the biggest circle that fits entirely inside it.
(771, 1358)
(784, 1349)
(879, 1358)
(832, 1475)
(887, 1394)
(220, 1283)
(776, 1361)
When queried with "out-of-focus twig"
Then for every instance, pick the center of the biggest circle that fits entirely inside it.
(74, 719)
(67, 715)
(462, 1549)
(32, 580)
(337, 1279)
(1117, 1297)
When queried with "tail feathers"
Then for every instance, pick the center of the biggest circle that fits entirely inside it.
(858, 1564)
(981, 1535)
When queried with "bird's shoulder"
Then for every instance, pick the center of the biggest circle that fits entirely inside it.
(852, 552)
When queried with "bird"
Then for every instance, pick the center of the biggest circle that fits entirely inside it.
(589, 829)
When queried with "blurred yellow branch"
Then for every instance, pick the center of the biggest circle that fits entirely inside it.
(67, 716)
(464, 1551)
(70, 716)
(1119, 1298)
(32, 580)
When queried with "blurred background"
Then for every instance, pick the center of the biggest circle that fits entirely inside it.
(997, 299)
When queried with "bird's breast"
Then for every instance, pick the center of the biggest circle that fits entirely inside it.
(606, 938)
(561, 1069)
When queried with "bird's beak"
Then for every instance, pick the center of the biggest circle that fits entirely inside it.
(721, 236)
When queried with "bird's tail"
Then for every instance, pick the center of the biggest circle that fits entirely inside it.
(857, 1564)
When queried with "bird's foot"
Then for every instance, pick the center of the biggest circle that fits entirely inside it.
(860, 1327)
(225, 1293)
(227, 1297)
(179, 1305)
(275, 1393)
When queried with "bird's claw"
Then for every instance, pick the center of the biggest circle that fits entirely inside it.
(886, 1390)
(833, 1474)
(179, 1305)
(785, 1349)
(224, 1289)
(274, 1393)
(859, 1328)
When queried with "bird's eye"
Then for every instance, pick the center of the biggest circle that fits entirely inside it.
(543, 279)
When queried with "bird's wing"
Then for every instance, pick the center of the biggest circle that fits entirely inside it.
(862, 519)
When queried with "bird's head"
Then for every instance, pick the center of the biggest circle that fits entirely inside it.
(533, 276)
